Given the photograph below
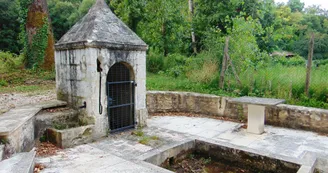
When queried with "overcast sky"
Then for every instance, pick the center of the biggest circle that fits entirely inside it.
(322, 3)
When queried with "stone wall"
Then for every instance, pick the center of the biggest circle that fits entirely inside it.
(296, 117)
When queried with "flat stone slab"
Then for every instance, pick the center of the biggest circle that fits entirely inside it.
(257, 101)
(15, 118)
(51, 104)
(20, 163)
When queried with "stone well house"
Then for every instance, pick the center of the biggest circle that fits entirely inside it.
(101, 70)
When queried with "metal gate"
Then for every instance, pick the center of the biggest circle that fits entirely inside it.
(120, 95)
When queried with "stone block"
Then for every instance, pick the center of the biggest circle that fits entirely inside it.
(46, 120)
(255, 123)
(71, 137)
(142, 116)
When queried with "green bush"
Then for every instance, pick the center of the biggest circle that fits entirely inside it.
(319, 63)
(9, 62)
(174, 65)
(155, 61)
(173, 60)
(294, 61)
(3, 83)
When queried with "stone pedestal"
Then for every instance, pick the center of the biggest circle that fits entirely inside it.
(256, 118)
(256, 111)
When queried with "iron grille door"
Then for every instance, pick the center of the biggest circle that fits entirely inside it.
(120, 97)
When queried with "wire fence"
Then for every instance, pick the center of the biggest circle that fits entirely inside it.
(280, 81)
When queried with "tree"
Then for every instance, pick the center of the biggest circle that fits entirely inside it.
(9, 26)
(193, 37)
(130, 11)
(295, 5)
(165, 26)
(215, 14)
(60, 13)
(285, 26)
(266, 13)
(82, 10)
(244, 50)
(37, 34)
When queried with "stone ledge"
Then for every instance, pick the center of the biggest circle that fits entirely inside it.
(20, 163)
(15, 118)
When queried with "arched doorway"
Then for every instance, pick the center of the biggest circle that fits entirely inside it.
(120, 96)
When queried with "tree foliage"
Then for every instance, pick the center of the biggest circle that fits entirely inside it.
(166, 25)
(9, 26)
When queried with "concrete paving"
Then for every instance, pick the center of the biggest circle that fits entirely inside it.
(276, 140)
(120, 153)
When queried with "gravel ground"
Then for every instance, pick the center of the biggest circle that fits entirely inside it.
(11, 100)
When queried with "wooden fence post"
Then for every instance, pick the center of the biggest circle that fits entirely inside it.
(224, 63)
(309, 66)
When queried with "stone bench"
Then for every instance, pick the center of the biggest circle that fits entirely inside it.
(17, 125)
(256, 111)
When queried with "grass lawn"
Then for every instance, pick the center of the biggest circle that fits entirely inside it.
(25, 81)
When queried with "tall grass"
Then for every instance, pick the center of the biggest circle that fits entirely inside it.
(283, 82)
(276, 81)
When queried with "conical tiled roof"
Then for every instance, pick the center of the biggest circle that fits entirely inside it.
(100, 28)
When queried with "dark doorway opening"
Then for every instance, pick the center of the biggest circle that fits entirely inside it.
(120, 98)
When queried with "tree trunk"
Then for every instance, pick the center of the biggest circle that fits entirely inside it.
(40, 46)
(193, 37)
(309, 65)
(165, 47)
(224, 64)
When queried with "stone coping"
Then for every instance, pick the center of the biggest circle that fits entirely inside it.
(20, 163)
(15, 118)
(307, 161)
(257, 101)
(184, 93)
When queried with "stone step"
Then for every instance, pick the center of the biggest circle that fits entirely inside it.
(45, 120)
(17, 125)
(19, 163)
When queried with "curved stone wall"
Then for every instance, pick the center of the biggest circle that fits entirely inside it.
(290, 116)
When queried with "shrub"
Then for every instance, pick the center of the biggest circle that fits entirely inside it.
(294, 61)
(3, 83)
(203, 68)
(9, 62)
(206, 74)
(319, 63)
(155, 61)
(174, 60)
